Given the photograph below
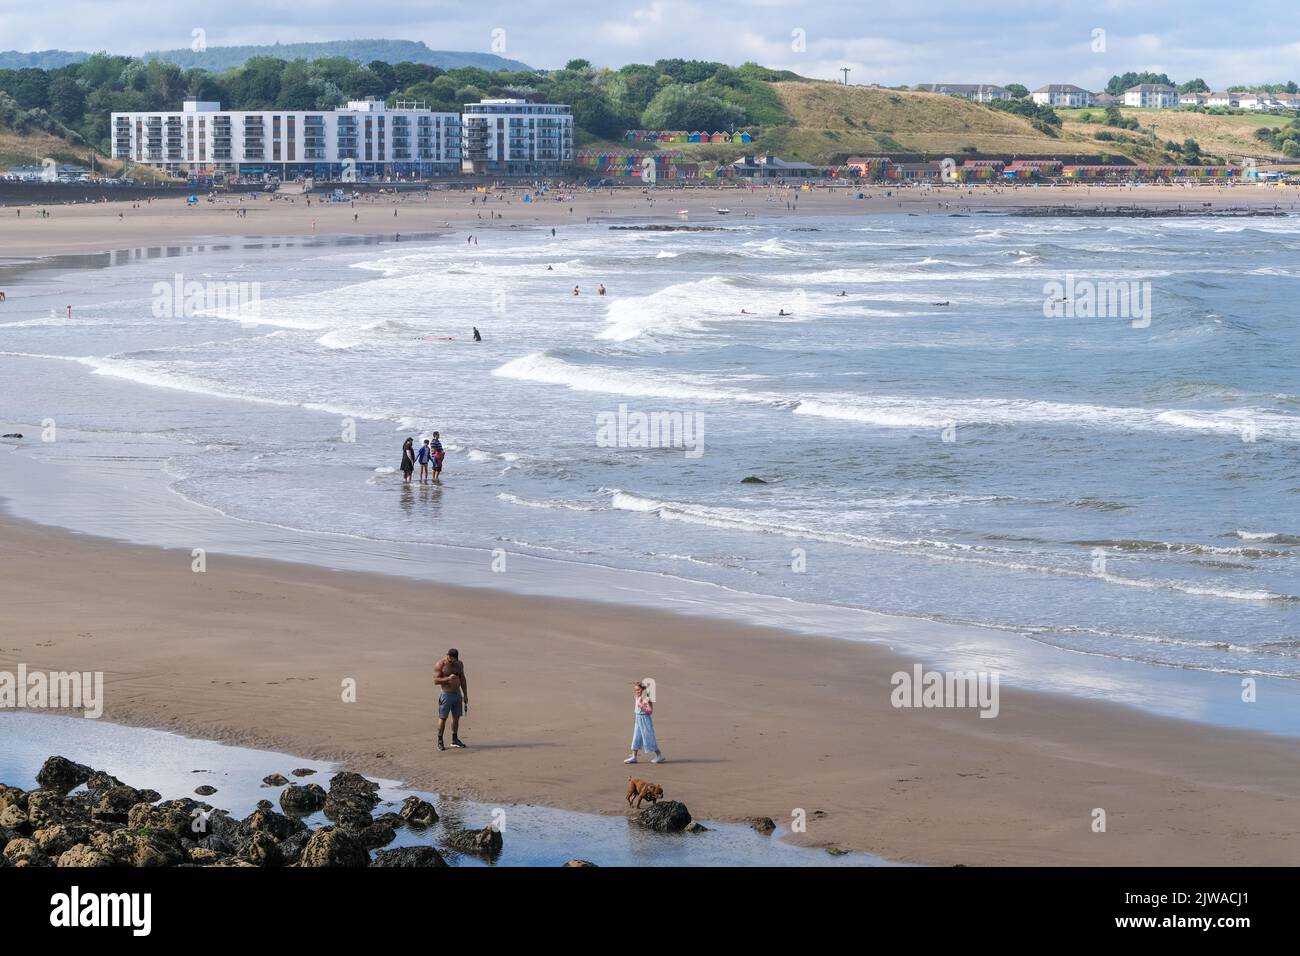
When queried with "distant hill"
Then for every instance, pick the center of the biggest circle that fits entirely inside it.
(40, 60)
(215, 59)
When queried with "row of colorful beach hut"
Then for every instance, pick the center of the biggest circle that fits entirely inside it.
(1149, 173)
(682, 136)
(988, 170)
(630, 164)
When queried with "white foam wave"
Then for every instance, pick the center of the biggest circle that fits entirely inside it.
(693, 306)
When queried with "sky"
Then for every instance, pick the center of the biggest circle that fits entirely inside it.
(940, 41)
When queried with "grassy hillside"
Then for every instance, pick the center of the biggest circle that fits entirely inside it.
(29, 149)
(826, 122)
(1231, 137)
(832, 118)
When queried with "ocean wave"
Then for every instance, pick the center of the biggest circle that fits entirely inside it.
(555, 505)
(1275, 537)
(551, 370)
(1141, 546)
(886, 411)
(693, 306)
(735, 519)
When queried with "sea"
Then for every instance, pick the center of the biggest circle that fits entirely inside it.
(910, 414)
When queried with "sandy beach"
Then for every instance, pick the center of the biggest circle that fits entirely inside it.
(94, 227)
(757, 722)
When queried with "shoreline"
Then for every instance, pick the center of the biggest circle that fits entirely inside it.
(96, 227)
(805, 722)
(763, 712)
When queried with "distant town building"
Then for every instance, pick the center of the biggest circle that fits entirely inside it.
(976, 92)
(1062, 94)
(1159, 96)
(514, 137)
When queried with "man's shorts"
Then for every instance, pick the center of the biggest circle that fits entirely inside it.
(449, 704)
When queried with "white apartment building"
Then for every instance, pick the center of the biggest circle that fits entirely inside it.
(1245, 101)
(976, 92)
(367, 139)
(1062, 94)
(1154, 95)
(513, 137)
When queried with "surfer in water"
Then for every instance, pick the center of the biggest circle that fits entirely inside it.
(600, 289)
(477, 337)
(575, 291)
(783, 312)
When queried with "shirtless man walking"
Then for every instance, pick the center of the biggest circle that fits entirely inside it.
(449, 675)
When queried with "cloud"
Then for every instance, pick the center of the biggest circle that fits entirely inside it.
(951, 41)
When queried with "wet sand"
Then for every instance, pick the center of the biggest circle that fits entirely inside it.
(755, 721)
(93, 227)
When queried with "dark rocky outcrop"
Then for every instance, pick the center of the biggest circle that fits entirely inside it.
(763, 825)
(275, 780)
(25, 852)
(205, 791)
(376, 835)
(61, 775)
(302, 801)
(666, 816)
(409, 856)
(85, 817)
(578, 863)
(277, 825)
(417, 812)
(486, 842)
(333, 847)
(261, 849)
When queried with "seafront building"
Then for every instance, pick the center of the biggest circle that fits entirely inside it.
(366, 139)
(513, 137)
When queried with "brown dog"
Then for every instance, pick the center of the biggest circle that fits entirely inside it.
(643, 790)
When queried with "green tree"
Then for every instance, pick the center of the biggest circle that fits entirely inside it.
(1121, 82)
(385, 74)
(679, 106)
(67, 100)
(361, 83)
(1018, 90)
